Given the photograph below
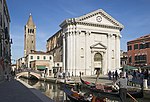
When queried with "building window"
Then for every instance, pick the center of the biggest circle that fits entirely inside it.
(97, 57)
(82, 53)
(130, 59)
(31, 57)
(44, 57)
(140, 59)
(129, 47)
(147, 45)
(50, 57)
(32, 30)
(38, 57)
(135, 46)
(142, 46)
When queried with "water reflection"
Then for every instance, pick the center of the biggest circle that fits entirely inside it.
(55, 91)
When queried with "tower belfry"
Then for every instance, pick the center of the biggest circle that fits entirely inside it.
(29, 36)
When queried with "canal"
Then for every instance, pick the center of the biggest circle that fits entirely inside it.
(55, 91)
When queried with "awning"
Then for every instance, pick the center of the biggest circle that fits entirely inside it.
(127, 67)
(41, 67)
(146, 67)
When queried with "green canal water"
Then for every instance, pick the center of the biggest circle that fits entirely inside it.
(55, 91)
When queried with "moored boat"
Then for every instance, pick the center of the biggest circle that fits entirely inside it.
(104, 90)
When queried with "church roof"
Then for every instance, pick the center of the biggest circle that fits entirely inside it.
(30, 21)
(97, 18)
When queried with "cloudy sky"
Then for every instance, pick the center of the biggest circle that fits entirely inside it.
(48, 14)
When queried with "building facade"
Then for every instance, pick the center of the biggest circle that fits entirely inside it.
(123, 58)
(139, 51)
(5, 41)
(29, 37)
(20, 63)
(41, 61)
(88, 43)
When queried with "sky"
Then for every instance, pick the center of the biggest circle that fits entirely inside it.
(49, 14)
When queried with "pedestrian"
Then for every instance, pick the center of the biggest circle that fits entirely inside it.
(122, 82)
(113, 74)
(116, 75)
(109, 75)
(5, 76)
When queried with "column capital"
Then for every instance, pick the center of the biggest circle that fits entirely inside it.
(109, 35)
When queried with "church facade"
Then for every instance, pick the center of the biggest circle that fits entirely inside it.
(87, 43)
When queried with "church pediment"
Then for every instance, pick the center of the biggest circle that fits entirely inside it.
(99, 17)
(98, 46)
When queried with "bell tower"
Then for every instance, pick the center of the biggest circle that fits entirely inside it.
(29, 36)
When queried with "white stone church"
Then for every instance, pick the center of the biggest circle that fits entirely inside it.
(87, 43)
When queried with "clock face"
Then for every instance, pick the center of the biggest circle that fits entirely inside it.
(99, 18)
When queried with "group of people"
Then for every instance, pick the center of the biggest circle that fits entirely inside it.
(120, 79)
(113, 75)
(9, 75)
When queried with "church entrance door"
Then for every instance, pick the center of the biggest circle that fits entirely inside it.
(98, 63)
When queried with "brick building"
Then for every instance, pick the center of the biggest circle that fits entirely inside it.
(5, 40)
(139, 51)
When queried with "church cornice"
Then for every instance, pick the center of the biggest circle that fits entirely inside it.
(80, 20)
(91, 24)
(98, 25)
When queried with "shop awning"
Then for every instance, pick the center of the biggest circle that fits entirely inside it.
(41, 67)
(127, 67)
(146, 67)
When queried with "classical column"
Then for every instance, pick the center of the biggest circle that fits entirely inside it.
(104, 65)
(71, 52)
(108, 52)
(64, 52)
(92, 62)
(76, 52)
(68, 52)
(87, 54)
(118, 51)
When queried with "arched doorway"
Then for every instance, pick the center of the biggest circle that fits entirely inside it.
(98, 62)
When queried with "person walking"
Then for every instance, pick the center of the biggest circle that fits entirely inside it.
(116, 75)
(122, 82)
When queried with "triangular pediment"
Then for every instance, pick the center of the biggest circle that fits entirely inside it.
(98, 46)
(99, 17)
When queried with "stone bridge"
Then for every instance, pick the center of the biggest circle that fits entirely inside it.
(29, 73)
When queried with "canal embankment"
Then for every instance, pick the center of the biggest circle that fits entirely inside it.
(102, 80)
(16, 91)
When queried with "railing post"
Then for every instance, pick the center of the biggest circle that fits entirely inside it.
(145, 86)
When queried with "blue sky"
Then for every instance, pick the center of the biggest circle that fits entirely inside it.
(48, 14)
